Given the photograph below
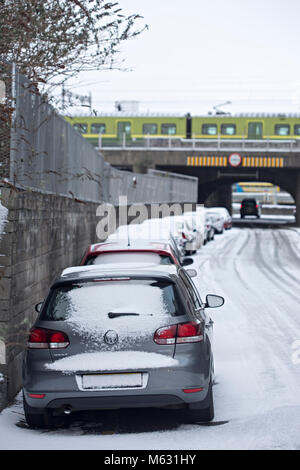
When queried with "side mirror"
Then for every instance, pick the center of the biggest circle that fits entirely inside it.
(192, 272)
(38, 307)
(187, 261)
(214, 301)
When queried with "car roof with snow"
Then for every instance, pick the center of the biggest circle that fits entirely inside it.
(116, 272)
(123, 245)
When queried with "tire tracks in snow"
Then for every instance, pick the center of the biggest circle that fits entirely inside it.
(278, 251)
(267, 268)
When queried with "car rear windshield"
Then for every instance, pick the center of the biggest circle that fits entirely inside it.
(130, 257)
(250, 202)
(95, 301)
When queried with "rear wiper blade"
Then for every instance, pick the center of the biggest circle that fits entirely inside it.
(121, 314)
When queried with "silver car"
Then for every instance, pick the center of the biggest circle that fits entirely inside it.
(122, 337)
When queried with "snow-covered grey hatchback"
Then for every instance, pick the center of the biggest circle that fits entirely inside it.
(123, 337)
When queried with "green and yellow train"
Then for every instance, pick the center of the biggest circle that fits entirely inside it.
(114, 129)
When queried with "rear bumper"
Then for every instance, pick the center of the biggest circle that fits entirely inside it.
(164, 388)
(82, 401)
(249, 213)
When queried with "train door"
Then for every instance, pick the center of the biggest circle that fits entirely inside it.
(124, 131)
(255, 130)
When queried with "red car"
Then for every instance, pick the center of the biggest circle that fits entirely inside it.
(145, 251)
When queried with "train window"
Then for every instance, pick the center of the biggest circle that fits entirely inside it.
(169, 129)
(80, 127)
(297, 129)
(282, 129)
(149, 129)
(98, 128)
(209, 129)
(228, 129)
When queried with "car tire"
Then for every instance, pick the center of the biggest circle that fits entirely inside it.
(37, 419)
(202, 411)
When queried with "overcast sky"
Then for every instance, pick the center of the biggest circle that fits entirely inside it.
(198, 54)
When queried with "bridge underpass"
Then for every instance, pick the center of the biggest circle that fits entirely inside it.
(217, 170)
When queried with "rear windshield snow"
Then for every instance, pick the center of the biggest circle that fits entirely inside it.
(93, 306)
(130, 257)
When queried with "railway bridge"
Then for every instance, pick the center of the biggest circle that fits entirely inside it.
(217, 164)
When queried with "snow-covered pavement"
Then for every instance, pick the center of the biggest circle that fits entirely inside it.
(257, 360)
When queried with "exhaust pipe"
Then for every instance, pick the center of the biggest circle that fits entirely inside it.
(67, 410)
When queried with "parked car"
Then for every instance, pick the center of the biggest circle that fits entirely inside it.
(185, 232)
(209, 231)
(134, 251)
(149, 230)
(179, 229)
(120, 338)
(198, 221)
(227, 224)
(217, 220)
(250, 206)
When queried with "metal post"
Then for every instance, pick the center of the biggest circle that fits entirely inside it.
(124, 140)
(13, 131)
(100, 140)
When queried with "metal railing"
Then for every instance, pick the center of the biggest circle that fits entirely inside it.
(169, 143)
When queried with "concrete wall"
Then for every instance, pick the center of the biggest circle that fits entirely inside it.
(43, 235)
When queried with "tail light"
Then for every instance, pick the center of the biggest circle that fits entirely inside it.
(184, 236)
(41, 338)
(241, 206)
(256, 206)
(178, 334)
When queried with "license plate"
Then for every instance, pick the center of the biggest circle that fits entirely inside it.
(104, 381)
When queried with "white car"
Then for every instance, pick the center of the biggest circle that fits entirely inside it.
(198, 223)
(217, 219)
(184, 230)
(225, 214)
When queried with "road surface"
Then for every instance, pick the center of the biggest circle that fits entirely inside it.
(257, 360)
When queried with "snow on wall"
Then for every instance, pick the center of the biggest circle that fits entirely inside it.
(3, 216)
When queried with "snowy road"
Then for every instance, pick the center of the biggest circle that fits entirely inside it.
(257, 359)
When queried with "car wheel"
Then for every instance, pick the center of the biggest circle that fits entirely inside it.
(37, 419)
(202, 411)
